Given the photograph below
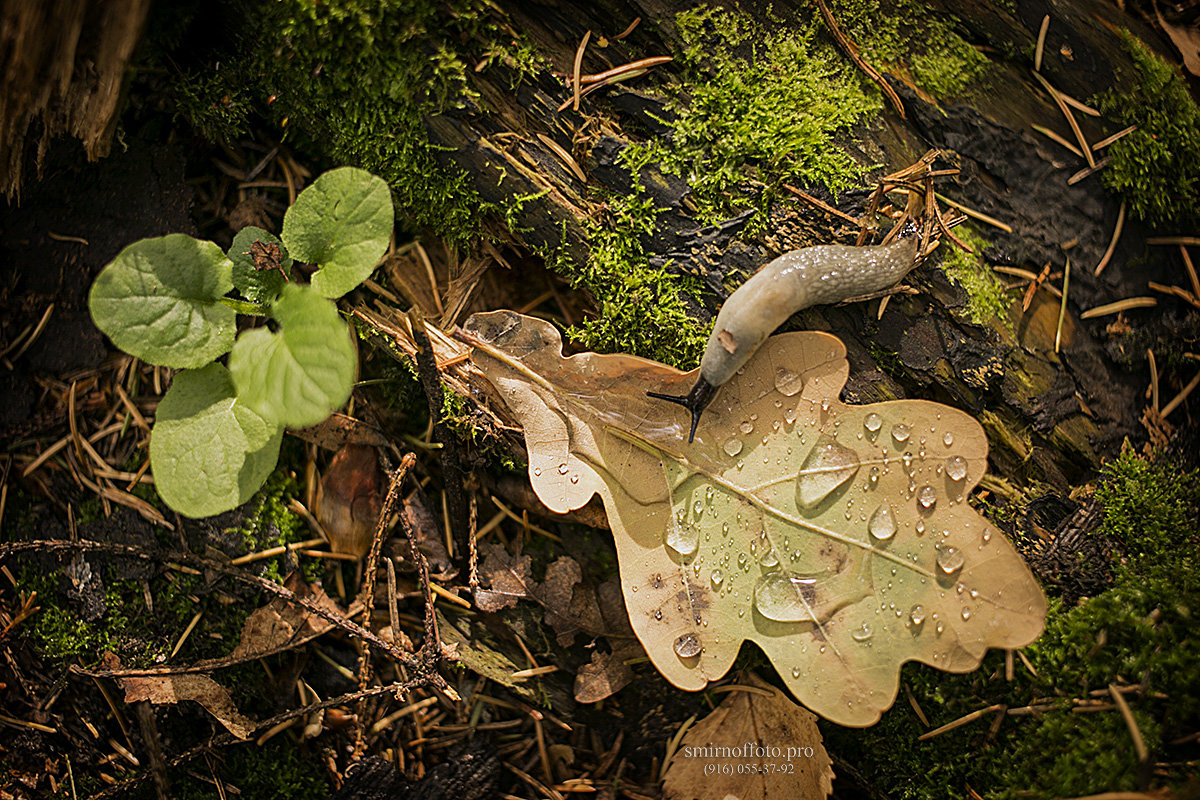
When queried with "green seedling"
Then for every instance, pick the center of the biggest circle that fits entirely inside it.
(174, 301)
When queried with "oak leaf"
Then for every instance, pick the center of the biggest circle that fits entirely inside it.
(837, 538)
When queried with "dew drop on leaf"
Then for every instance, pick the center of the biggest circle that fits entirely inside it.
(966, 613)
(683, 539)
(769, 559)
(927, 496)
(949, 559)
(733, 446)
(563, 469)
(789, 416)
(873, 423)
(917, 615)
(882, 524)
(862, 633)
(788, 383)
(956, 468)
(717, 577)
(687, 646)
(658, 613)
(828, 467)
(778, 596)
(987, 535)
(947, 438)
(901, 432)
(746, 427)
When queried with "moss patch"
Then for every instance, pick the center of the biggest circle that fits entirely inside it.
(1139, 631)
(986, 298)
(1157, 167)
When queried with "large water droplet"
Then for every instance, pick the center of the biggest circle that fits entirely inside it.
(795, 672)
(966, 613)
(882, 524)
(927, 496)
(828, 467)
(873, 422)
(687, 646)
(732, 446)
(778, 596)
(788, 383)
(698, 507)
(949, 559)
(947, 438)
(769, 559)
(862, 633)
(563, 469)
(746, 426)
(683, 539)
(789, 416)
(917, 615)
(716, 576)
(987, 535)
(956, 468)
(901, 432)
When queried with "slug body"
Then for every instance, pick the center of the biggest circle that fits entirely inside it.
(796, 280)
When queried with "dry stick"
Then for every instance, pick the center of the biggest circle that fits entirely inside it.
(1139, 744)
(1191, 271)
(852, 53)
(1049, 134)
(197, 562)
(1186, 240)
(1120, 305)
(958, 723)
(1105, 142)
(1062, 106)
(1112, 245)
(1179, 398)
(1153, 380)
(1087, 171)
(828, 209)
(367, 595)
(452, 471)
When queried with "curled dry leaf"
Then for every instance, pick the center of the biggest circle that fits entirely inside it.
(606, 673)
(279, 624)
(756, 745)
(166, 689)
(837, 538)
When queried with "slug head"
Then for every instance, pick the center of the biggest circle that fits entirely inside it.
(694, 401)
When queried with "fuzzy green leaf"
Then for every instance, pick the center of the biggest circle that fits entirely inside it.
(342, 223)
(299, 374)
(259, 285)
(159, 300)
(209, 452)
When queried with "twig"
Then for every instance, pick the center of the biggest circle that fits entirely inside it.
(808, 198)
(1184, 240)
(1105, 142)
(852, 53)
(1139, 744)
(1179, 398)
(1087, 171)
(1049, 134)
(1112, 245)
(1120, 305)
(958, 723)
(979, 215)
(578, 66)
(1041, 43)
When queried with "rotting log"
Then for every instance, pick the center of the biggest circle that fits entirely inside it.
(1052, 413)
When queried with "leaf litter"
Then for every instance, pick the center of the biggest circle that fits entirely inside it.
(837, 538)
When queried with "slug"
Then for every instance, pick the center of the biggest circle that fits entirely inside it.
(806, 277)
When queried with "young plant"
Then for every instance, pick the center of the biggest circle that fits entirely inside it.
(169, 301)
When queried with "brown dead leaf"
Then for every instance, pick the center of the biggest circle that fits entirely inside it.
(428, 533)
(508, 576)
(1186, 39)
(350, 498)
(837, 538)
(167, 689)
(279, 624)
(606, 673)
(756, 745)
(338, 430)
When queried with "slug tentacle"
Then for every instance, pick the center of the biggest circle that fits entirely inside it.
(796, 280)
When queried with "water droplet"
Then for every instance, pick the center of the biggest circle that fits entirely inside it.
(769, 559)
(873, 423)
(927, 496)
(563, 469)
(956, 468)
(775, 425)
(574, 479)
(987, 535)
(778, 596)
(658, 613)
(908, 462)
(966, 613)
(789, 416)
(788, 383)
(920, 526)
(716, 576)
(698, 507)
(742, 560)
(732, 446)
(882, 524)
(862, 633)
(537, 471)
(949, 559)
(901, 432)
(828, 467)
(917, 615)
(683, 539)
(724, 527)
(825, 404)
(708, 494)
(795, 672)
(746, 427)
(947, 438)
(941, 626)
(874, 477)
(687, 646)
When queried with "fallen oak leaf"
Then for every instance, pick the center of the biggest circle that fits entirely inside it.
(756, 745)
(837, 538)
(508, 576)
(281, 624)
(607, 673)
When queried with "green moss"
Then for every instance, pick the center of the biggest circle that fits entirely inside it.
(761, 105)
(1157, 167)
(986, 298)
(903, 34)
(279, 770)
(1140, 631)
